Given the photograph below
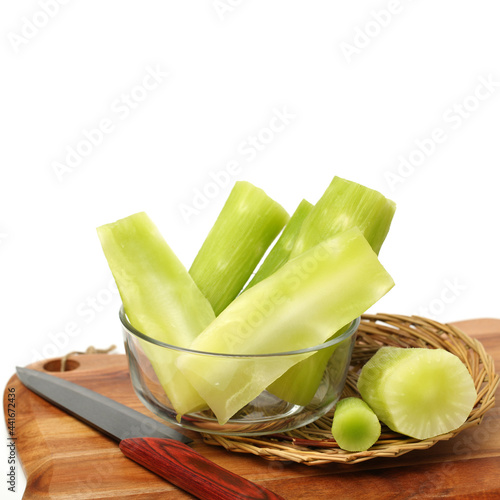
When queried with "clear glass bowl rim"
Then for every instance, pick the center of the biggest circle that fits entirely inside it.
(128, 326)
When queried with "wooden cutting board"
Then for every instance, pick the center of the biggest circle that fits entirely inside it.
(65, 459)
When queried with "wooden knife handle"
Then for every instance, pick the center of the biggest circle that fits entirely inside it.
(190, 471)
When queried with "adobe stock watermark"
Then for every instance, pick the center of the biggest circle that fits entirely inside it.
(367, 32)
(10, 413)
(452, 118)
(85, 312)
(32, 25)
(448, 295)
(224, 7)
(246, 152)
(121, 109)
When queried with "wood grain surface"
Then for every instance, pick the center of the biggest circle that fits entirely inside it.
(65, 459)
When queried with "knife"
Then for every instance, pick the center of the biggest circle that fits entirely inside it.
(148, 442)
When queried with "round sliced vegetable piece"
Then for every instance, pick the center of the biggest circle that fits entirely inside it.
(419, 392)
(355, 426)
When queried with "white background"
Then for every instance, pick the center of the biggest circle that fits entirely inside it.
(357, 103)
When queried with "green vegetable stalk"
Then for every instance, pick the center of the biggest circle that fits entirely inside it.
(298, 306)
(355, 426)
(160, 298)
(419, 392)
(344, 205)
(280, 252)
(248, 223)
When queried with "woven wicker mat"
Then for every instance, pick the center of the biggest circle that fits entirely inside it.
(313, 444)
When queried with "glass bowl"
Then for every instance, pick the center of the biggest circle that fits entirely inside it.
(303, 397)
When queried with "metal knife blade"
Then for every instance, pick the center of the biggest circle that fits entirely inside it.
(110, 417)
(149, 443)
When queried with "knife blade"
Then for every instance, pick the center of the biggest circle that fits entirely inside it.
(144, 440)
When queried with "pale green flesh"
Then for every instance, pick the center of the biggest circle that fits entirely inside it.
(421, 393)
(355, 426)
(298, 306)
(248, 223)
(159, 297)
(281, 250)
(299, 384)
(346, 204)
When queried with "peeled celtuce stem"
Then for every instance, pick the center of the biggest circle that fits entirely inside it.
(248, 223)
(355, 426)
(159, 296)
(280, 252)
(295, 308)
(419, 392)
